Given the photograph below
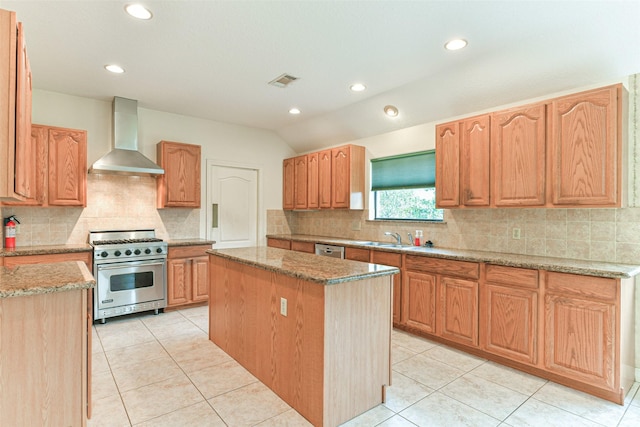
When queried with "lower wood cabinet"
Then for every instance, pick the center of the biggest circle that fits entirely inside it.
(419, 301)
(458, 310)
(357, 254)
(308, 247)
(279, 243)
(187, 275)
(509, 313)
(580, 329)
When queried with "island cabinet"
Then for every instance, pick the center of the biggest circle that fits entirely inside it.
(509, 313)
(329, 179)
(441, 297)
(187, 275)
(17, 156)
(180, 185)
(300, 333)
(61, 167)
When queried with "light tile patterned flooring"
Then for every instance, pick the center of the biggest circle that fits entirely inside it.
(163, 371)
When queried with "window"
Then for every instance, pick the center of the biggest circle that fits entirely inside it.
(404, 187)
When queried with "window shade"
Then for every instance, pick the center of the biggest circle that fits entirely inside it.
(414, 170)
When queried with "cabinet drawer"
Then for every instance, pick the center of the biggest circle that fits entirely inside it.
(512, 276)
(12, 261)
(279, 243)
(188, 251)
(357, 254)
(443, 266)
(308, 247)
(584, 286)
(386, 258)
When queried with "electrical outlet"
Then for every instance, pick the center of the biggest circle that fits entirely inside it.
(515, 234)
(283, 306)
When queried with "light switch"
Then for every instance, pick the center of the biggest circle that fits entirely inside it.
(283, 306)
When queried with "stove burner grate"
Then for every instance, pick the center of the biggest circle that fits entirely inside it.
(126, 241)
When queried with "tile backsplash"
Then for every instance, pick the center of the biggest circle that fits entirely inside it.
(113, 202)
(611, 235)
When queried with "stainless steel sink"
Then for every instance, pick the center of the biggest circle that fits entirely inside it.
(381, 244)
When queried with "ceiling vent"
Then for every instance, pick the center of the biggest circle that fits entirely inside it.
(283, 80)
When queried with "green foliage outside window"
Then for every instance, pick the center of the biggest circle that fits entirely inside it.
(407, 204)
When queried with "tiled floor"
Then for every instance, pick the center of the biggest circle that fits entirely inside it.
(162, 371)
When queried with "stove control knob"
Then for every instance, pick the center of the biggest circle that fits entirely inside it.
(147, 251)
(159, 250)
(137, 252)
(104, 254)
(127, 252)
(117, 253)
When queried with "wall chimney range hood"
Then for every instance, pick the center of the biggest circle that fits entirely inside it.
(125, 159)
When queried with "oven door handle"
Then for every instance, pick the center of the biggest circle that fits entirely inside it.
(129, 264)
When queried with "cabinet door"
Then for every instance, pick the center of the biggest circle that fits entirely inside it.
(300, 182)
(518, 141)
(67, 154)
(200, 278)
(580, 328)
(419, 301)
(448, 165)
(340, 177)
(178, 281)
(458, 308)
(25, 179)
(585, 153)
(474, 161)
(39, 135)
(313, 201)
(180, 184)
(324, 179)
(288, 188)
(510, 318)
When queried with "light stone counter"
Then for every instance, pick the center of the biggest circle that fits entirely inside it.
(33, 279)
(561, 265)
(190, 242)
(313, 268)
(45, 250)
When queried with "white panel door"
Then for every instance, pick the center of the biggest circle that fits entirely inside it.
(233, 206)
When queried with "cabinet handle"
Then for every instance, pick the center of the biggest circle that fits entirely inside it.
(214, 215)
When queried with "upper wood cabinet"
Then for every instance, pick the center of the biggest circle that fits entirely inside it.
(300, 182)
(180, 185)
(288, 183)
(338, 183)
(313, 170)
(564, 152)
(60, 170)
(518, 142)
(324, 179)
(462, 163)
(17, 158)
(586, 148)
(448, 165)
(475, 137)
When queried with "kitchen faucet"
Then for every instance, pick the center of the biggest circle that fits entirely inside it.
(396, 235)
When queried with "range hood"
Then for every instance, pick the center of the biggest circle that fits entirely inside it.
(125, 159)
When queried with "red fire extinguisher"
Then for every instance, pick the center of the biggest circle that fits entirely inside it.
(10, 232)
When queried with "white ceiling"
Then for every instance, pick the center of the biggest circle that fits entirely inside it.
(213, 59)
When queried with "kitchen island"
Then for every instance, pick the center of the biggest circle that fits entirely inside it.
(315, 330)
(43, 344)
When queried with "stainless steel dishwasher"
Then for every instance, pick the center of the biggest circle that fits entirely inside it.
(330, 251)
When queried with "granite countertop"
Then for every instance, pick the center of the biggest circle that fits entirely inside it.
(45, 250)
(33, 279)
(313, 268)
(190, 242)
(561, 265)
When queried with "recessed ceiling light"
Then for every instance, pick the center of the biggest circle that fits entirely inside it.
(294, 111)
(357, 87)
(391, 111)
(455, 44)
(138, 11)
(114, 68)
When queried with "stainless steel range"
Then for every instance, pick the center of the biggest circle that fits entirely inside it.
(130, 270)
